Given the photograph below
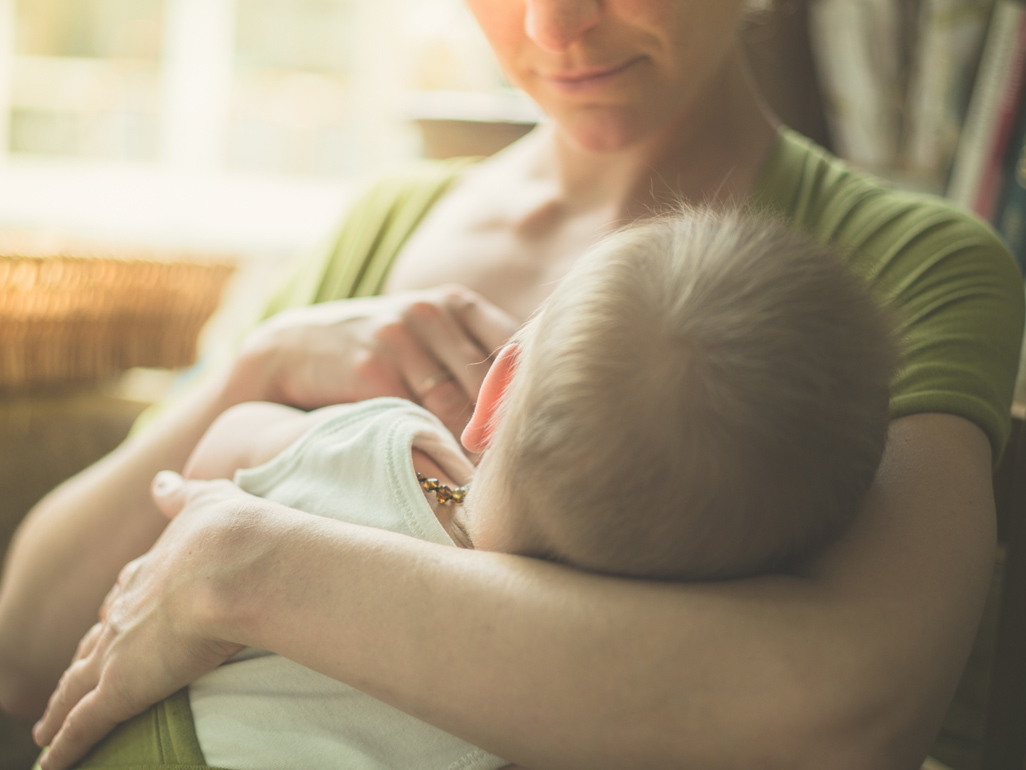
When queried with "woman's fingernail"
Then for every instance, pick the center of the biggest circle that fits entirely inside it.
(166, 482)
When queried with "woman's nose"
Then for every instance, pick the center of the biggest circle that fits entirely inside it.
(555, 25)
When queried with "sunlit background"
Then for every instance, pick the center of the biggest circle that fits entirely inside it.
(244, 125)
(240, 129)
(227, 125)
(163, 158)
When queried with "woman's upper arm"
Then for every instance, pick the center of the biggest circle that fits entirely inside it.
(910, 580)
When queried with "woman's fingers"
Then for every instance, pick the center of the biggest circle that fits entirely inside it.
(450, 404)
(432, 346)
(459, 330)
(440, 365)
(173, 494)
(82, 728)
(166, 491)
(490, 326)
(80, 678)
(149, 642)
(438, 330)
(88, 642)
(400, 348)
(105, 606)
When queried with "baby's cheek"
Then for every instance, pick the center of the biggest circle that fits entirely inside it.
(486, 531)
(478, 531)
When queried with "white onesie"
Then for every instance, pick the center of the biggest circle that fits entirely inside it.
(260, 711)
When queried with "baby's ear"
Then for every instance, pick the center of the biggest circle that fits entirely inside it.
(478, 433)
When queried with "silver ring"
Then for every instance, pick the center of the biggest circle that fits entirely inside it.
(432, 382)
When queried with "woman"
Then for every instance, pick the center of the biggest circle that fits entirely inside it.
(849, 663)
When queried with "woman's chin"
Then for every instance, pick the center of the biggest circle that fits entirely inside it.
(604, 131)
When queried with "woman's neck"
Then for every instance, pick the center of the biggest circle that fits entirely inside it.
(713, 151)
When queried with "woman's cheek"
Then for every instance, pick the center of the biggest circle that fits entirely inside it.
(502, 23)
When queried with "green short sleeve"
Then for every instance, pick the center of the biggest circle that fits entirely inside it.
(952, 283)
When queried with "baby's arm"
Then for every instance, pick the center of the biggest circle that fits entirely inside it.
(248, 435)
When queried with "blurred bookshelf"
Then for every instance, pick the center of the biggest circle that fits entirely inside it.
(927, 93)
(897, 76)
(931, 94)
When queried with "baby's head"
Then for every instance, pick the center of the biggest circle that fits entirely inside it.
(703, 396)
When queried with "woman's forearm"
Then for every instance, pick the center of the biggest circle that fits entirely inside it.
(849, 666)
(548, 667)
(540, 664)
(67, 553)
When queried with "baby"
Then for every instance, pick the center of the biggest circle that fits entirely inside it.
(704, 396)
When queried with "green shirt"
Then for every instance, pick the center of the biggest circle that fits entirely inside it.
(956, 288)
(954, 284)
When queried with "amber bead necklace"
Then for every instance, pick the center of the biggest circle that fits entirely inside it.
(443, 492)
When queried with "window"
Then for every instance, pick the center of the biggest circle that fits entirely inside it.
(216, 123)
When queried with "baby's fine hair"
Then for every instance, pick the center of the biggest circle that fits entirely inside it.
(704, 396)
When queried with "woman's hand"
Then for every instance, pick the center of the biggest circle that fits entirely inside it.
(432, 346)
(150, 640)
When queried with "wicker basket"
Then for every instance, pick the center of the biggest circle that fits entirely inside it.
(71, 316)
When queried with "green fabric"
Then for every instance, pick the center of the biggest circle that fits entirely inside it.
(958, 293)
(370, 238)
(956, 287)
(953, 282)
(160, 737)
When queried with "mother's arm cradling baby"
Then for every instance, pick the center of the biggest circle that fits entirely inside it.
(848, 664)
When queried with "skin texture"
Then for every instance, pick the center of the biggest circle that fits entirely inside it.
(643, 61)
(850, 624)
(381, 346)
(69, 550)
(846, 665)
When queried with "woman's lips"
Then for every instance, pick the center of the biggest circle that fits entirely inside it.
(588, 78)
